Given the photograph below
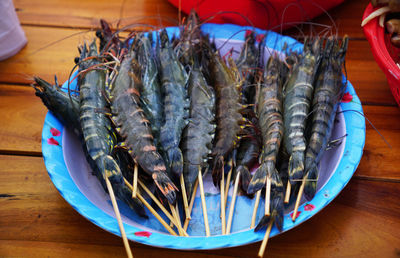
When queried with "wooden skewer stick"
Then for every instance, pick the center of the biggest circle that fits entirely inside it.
(222, 190)
(177, 220)
(232, 207)
(268, 196)
(154, 212)
(253, 217)
(119, 219)
(265, 240)
(203, 203)
(185, 199)
(228, 181)
(177, 212)
(192, 198)
(135, 180)
(156, 201)
(165, 224)
(299, 195)
(287, 194)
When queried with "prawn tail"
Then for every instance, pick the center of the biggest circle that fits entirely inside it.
(277, 208)
(218, 169)
(175, 158)
(259, 179)
(245, 177)
(111, 170)
(113, 173)
(263, 223)
(165, 185)
(296, 166)
(310, 187)
(125, 194)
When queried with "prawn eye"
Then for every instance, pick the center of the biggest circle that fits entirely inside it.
(76, 60)
(99, 34)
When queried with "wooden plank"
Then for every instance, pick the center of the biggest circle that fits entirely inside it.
(362, 220)
(21, 131)
(86, 14)
(346, 17)
(56, 59)
(365, 75)
(15, 248)
(22, 120)
(363, 72)
(379, 159)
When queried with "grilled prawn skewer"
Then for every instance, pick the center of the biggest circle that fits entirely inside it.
(329, 90)
(96, 127)
(134, 127)
(150, 88)
(297, 100)
(269, 108)
(176, 104)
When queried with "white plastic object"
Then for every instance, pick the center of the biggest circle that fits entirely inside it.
(12, 37)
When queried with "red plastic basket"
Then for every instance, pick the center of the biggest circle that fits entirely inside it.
(383, 52)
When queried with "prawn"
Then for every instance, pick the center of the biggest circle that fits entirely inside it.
(329, 89)
(134, 127)
(297, 101)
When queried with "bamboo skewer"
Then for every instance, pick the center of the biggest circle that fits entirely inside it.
(119, 219)
(222, 190)
(154, 212)
(192, 198)
(299, 195)
(178, 216)
(135, 179)
(156, 201)
(253, 217)
(265, 240)
(165, 224)
(268, 196)
(203, 203)
(228, 181)
(177, 220)
(232, 206)
(185, 200)
(287, 194)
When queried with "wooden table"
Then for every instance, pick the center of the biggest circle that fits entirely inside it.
(35, 221)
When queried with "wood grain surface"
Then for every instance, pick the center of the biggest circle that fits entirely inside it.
(42, 220)
(35, 221)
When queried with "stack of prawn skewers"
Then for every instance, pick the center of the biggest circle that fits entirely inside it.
(149, 108)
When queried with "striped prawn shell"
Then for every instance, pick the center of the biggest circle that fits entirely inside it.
(176, 104)
(150, 90)
(134, 127)
(198, 135)
(269, 111)
(297, 101)
(96, 127)
(228, 115)
(329, 89)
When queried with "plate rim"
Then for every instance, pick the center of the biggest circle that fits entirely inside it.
(355, 128)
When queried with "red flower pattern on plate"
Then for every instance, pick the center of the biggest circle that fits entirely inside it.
(260, 37)
(347, 97)
(309, 207)
(52, 141)
(297, 215)
(55, 132)
(248, 32)
(143, 233)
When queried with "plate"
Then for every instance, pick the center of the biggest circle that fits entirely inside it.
(71, 174)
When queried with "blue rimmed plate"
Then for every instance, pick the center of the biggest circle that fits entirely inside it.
(71, 174)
